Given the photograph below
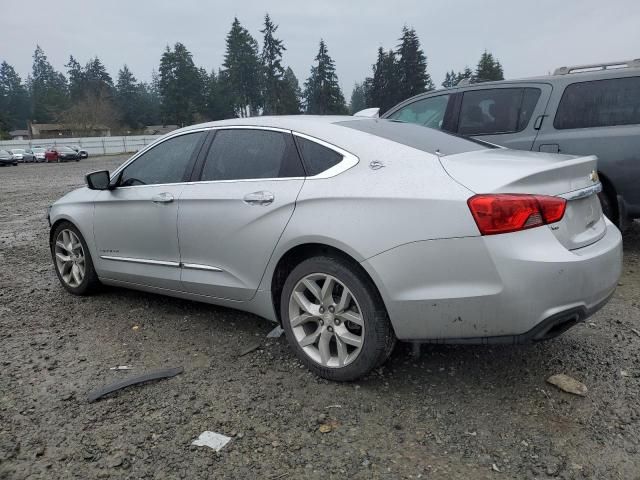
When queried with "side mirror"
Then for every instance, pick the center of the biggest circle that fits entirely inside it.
(98, 180)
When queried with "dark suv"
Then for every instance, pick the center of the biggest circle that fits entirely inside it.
(586, 109)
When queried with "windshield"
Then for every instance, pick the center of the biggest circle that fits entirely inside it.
(416, 136)
(37, 149)
(65, 149)
(17, 150)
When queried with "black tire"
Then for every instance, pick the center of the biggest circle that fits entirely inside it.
(90, 282)
(379, 338)
(609, 207)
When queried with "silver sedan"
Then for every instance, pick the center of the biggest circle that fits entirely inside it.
(351, 232)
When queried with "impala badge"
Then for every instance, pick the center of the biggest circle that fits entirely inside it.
(376, 165)
(593, 176)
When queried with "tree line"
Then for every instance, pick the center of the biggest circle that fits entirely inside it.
(252, 80)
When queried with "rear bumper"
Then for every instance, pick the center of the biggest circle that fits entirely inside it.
(511, 288)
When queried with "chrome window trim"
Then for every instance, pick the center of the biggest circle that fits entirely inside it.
(141, 260)
(582, 192)
(197, 266)
(157, 142)
(348, 161)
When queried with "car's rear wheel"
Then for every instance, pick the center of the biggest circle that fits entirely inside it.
(72, 260)
(334, 319)
(609, 208)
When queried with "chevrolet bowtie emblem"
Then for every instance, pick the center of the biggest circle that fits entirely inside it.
(593, 176)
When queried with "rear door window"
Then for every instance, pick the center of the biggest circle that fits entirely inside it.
(497, 110)
(428, 112)
(600, 103)
(245, 154)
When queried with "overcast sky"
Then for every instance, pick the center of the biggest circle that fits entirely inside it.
(529, 38)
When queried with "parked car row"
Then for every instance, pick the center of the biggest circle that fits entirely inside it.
(56, 153)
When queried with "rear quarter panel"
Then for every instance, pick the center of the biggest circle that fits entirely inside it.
(364, 211)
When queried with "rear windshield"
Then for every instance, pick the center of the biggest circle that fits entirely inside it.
(416, 136)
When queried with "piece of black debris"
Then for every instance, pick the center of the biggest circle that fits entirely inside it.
(250, 349)
(137, 379)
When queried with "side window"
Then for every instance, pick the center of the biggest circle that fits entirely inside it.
(498, 110)
(601, 103)
(428, 112)
(247, 154)
(164, 163)
(316, 157)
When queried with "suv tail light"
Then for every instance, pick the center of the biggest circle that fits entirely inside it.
(503, 213)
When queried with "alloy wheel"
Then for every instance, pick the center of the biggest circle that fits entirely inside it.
(70, 259)
(326, 321)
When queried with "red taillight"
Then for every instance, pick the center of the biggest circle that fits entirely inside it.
(509, 212)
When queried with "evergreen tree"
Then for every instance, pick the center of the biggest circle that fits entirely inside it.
(242, 71)
(218, 103)
(96, 78)
(149, 101)
(76, 77)
(384, 87)
(322, 92)
(465, 74)
(358, 98)
(274, 84)
(488, 69)
(412, 65)
(180, 86)
(128, 98)
(450, 80)
(14, 100)
(292, 95)
(49, 94)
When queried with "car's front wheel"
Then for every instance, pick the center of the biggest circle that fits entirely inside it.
(334, 319)
(72, 260)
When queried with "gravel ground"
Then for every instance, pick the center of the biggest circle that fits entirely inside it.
(477, 412)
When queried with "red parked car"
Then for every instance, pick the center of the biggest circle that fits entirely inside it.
(61, 154)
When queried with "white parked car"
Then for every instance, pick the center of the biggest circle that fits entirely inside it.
(351, 232)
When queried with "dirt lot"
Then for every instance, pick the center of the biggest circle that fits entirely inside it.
(477, 412)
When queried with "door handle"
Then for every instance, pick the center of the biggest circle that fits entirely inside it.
(162, 198)
(259, 198)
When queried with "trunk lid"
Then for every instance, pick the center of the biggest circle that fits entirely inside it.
(509, 171)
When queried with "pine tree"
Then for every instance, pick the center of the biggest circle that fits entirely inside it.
(14, 99)
(128, 98)
(358, 98)
(218, 103)
(242, 71)
(450, 79)
(76, 77)
(273, 85)
(180, 85)
(322, 92)
(49, 92)
(292, 95)
(488, 69)
(465, 74)
(384, 87)
(412, 65)
(96, 78)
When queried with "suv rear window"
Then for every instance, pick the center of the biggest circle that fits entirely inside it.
(422, 138)
(497, 110)
(599, 103)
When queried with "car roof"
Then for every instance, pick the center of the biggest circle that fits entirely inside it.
(558, 79)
